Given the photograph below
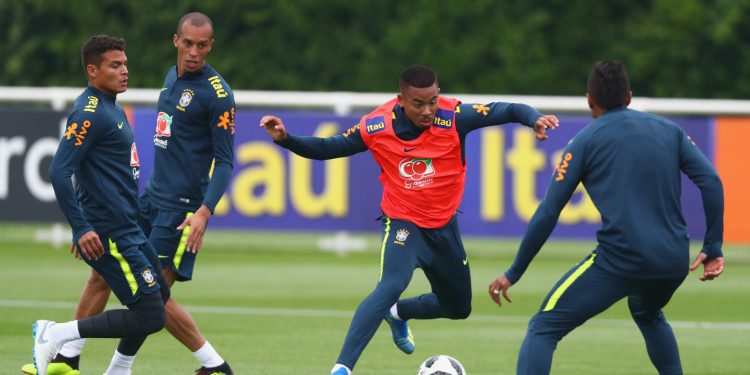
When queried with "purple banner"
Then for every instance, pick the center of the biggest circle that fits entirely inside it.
(507, 175)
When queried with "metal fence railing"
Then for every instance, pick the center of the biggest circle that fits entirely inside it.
(343, 103)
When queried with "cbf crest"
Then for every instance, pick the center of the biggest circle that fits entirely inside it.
(401, 236)
(186, 98)
(148, 277)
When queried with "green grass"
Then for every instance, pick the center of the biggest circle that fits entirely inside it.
(271, 303)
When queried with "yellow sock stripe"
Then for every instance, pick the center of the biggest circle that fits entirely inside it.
(183, 244)
(125, 267)
(566, 284)
(382, 247)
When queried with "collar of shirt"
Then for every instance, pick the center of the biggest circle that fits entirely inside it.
(111, 99)
(198, 74)
(403, 127)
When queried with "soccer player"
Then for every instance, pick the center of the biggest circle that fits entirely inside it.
(194, 133)
(102, 209)
(194, 129)
(418, 140)
(629, 163)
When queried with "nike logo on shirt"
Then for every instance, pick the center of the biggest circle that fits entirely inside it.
(119, 125)
(410, 149)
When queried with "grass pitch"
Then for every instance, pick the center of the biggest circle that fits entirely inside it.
(273, 303)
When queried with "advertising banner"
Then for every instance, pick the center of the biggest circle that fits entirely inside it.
(507, 175)
(28, 141)
(732, 165)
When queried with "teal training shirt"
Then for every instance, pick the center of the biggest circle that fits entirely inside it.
(99, 149)
(195, 127)
(630, 164)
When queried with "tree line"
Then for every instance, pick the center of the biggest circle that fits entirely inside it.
(672, 48)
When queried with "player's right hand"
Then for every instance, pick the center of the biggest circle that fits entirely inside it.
(90, 246)
(500, 285)
(544, 123)
(711, 268)
(274, 127)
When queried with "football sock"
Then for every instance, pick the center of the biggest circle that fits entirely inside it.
(394, 311)
(64, 332)
(72, 349)
(207, 356)
(70, 361)
(120, 364)
(338, 366)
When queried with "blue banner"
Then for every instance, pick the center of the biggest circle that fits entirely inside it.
(507, 175)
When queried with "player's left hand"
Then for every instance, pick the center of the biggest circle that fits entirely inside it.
(543, 124)
(500, 285)
(90, 246)
(711, 269)
(197, 223)
(74, 251)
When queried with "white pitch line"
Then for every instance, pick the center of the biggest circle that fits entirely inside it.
(314, 313)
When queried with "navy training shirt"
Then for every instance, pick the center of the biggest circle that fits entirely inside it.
(630, 164)
(194, 128)
(98, 147)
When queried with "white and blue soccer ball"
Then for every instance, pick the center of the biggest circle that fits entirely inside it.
(441, 365)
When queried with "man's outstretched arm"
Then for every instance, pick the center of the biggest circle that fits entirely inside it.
(317, 148)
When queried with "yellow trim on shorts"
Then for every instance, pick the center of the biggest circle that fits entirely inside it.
(124, 266)
(183, 244)
(382, 247)
(569, 281)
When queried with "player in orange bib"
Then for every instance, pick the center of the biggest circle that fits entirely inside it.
(417, 139)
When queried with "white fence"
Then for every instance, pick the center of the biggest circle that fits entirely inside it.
(343, 103)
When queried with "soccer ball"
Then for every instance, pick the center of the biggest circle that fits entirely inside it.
(441, 365)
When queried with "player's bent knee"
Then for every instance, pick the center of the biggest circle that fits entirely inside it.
(460, 312)
(541, 327)
(389, 292)
(154, 322)
(648, 318)
(97, 281)
(151, 313)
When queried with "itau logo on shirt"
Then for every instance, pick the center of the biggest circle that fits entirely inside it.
(163, 125)
(443, 119)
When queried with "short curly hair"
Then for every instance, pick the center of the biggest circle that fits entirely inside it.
(96, 46)
(609, 85)
(418, 76)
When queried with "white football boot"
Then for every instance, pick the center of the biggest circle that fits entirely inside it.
(45, 346)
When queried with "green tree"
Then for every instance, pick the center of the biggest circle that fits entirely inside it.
(673, 48)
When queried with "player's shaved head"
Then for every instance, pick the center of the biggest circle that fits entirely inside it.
(418, 76)
(609, 85)
(196, 19)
